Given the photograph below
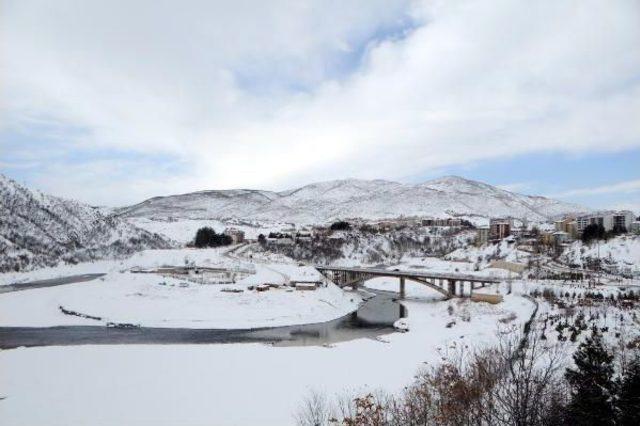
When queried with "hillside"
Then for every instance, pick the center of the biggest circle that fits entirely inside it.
(40, 230)
(326, 201)
(620, 254)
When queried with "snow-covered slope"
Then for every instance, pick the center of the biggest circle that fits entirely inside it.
(39, 230)
(326, 201)
(618, 254)
(202, 204)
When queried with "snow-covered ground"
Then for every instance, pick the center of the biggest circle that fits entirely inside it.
(233, 384)
(144, 259)
(222, 384)
(505, 250)
(153, 300)
(623, 252)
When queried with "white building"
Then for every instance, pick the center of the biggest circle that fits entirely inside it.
(608, 220)
(561, 237)
(623, 219)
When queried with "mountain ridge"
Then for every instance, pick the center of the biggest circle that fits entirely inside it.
(321, 202)
(39, 230)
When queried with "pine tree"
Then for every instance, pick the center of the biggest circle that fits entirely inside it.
(629, 396)
(592, 385)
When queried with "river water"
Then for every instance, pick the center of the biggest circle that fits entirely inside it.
(374, 318)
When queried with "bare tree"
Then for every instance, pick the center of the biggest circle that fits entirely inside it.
(314, 411)
(528, 383)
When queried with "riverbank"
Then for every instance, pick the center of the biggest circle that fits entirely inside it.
(151, 300)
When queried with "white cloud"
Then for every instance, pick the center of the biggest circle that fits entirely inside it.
(626, 187)
(516, 186)
(256, 93)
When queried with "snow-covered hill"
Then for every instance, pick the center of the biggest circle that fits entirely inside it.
(326, 201)
(620, 254)
(40, 230)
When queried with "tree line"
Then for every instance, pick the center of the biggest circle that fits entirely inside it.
(207, 237)
(597, 232)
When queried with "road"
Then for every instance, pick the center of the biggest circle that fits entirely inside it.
(71, 279)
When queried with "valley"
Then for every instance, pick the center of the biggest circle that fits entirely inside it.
(129, 293)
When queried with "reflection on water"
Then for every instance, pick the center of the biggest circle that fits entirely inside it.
(374, 318)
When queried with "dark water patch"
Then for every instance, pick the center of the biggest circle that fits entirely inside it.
(49, 283)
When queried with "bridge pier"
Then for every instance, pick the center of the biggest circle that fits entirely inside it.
(402, 288)
(452, 287)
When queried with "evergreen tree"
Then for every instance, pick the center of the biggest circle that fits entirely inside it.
(207, 237)
(593, 232)
(204, 237)
(591, 383)
(629, 396)
(340, 226)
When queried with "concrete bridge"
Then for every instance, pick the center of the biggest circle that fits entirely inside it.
(450, 285)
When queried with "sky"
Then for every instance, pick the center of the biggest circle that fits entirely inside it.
(114, 102)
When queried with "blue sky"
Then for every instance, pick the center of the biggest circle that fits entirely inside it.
(558, 175)
(114, 102)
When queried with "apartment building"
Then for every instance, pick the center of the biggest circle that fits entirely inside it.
(482, 235)
(500, 228)
(608, 220)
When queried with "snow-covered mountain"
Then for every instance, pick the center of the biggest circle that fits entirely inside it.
(40, 230)
(326, 201)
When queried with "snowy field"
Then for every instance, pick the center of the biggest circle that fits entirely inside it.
(153, 300)
(224, 384)
(235, 384)
(144, 259)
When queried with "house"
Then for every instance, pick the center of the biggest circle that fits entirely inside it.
(568, 225)
(237, 236)
(517, 268)
(561, 237)
(555, 238)
(500, 228)
(546, 238)
(441, 222)
(281, 241)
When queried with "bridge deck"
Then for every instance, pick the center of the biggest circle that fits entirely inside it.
(411, 274)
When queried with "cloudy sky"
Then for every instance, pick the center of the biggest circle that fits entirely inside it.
(113, 101)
